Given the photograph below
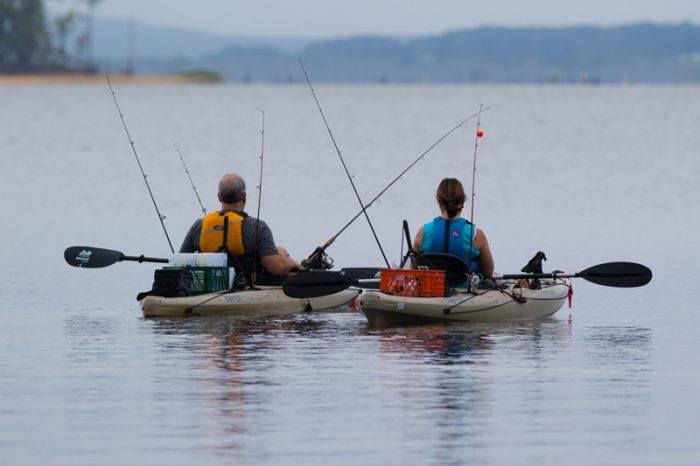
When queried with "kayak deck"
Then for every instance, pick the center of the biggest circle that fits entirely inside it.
(264, 301)
(509, 304)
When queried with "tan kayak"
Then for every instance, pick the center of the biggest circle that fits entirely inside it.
(265, 301)
(511, 304)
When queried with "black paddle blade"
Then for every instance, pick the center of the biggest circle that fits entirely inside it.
(91, 258)
(316, 283)
(617, 274)
(360, 273)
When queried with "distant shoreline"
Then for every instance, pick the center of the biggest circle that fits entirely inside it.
(81, 78)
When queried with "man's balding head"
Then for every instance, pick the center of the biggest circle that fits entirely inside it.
(231, 189)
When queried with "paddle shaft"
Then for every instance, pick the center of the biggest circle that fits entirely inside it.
(143, 258)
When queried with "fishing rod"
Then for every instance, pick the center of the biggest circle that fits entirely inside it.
(190, 177)
(254, 273)
(321, 249)
(347, 172)
(145, 177)
(479, 133)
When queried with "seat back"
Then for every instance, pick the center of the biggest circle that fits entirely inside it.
(456, 270)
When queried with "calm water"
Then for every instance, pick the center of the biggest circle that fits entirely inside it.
(586, 174)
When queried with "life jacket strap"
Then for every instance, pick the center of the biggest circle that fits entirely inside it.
(446, 246)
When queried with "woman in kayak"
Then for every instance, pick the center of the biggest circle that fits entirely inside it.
(449, 233)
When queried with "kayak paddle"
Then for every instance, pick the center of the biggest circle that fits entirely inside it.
(617, 274)
(317, 283)
(95, 258)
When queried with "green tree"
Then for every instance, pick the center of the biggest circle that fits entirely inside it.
(64, 26)
(24, 42)
(91, 4)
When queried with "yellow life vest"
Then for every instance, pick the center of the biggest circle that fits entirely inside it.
(211, 239)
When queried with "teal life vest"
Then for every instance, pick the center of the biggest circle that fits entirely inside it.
(451, 237)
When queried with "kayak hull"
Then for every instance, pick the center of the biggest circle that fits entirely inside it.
(265, 301)
(485, 306)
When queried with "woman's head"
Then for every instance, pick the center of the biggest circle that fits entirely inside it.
(450, 196)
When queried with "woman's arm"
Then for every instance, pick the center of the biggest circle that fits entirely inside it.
(418, 240)
(482, 244)
(416, 245)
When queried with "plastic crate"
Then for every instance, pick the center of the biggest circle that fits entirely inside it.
(208, 279)
(416, 283)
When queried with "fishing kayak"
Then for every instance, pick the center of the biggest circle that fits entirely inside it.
(510, 303)
(264, 301)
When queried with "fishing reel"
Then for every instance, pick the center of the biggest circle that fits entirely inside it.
(318, 260)
(475, 281)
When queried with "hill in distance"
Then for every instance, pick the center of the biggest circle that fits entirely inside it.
(649, 53)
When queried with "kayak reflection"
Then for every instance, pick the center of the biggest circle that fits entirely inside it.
(460, 343)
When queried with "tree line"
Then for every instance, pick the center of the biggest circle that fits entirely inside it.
(30, 41)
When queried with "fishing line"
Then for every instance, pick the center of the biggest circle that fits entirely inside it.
(145, 177)
(190, 177)
(254, 273)
(347, 172)
(320, 250)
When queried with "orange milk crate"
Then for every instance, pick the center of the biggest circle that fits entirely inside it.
(416, 283)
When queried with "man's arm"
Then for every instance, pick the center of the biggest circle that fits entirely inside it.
(279, 264)
(275, 259)
(191, 241)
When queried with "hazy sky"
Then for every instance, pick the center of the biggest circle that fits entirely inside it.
(332, 18)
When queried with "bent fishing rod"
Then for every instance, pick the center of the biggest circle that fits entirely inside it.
(347, 172)
(478, 134)
(190, 177)
(321, 249)
(145, 177)
(254, 273)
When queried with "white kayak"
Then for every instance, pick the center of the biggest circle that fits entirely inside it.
(264, 301)
(511, 304)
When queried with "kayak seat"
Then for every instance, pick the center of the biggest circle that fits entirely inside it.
(456, 270)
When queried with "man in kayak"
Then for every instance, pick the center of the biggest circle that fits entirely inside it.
(449, 233)
(242, 237)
